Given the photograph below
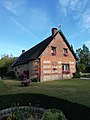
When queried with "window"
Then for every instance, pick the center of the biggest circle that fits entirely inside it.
(65, 51)
(53, 50)
(65, 68)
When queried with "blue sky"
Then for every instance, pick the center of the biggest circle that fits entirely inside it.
(24, 23)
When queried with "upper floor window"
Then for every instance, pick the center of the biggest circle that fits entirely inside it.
(65, 51)
(53, 50)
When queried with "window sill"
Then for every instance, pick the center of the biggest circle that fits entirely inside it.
(66, 72)
(65, 54)
(53, 54)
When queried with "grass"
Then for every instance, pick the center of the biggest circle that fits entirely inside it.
(2, 88)
(72, 97)
(75, 90)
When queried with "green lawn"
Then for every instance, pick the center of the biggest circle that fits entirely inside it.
(74, 90)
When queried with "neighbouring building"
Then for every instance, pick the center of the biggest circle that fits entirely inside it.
(51, 59)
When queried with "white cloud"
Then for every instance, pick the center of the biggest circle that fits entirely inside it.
(79, 11)
(12, 5)
(69, 3)
(87, 43)
(35, 21)
(69, 6)
(32, 20)
(84, 21)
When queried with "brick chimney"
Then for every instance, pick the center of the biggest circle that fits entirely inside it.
(23, 51)
(54, 30)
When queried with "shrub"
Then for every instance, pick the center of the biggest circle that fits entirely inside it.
(24, 78)
(76, 75)
(25, 82)
(35, 114)
(3, 71)
(25, 113)
(81, 67)
(34, 80)
(87, 70)
(11, 74)
(53, 114)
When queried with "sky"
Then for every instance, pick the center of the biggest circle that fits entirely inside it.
(24, 23)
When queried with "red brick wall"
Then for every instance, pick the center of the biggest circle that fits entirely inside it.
(58, 59)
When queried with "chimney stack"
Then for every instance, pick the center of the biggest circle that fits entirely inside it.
(54, 30)
(23, 51)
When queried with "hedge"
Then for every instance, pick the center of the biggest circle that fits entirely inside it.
(72, 111)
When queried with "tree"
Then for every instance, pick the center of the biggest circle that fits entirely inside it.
(3, 71)
(83, 55)
(5, 62)
(81, 67)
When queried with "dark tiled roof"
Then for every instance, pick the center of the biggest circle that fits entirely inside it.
(33, 53)
(37, 50)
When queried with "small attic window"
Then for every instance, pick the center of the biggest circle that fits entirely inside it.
(53, 50)
(65, 51)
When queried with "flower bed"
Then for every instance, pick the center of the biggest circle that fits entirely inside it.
(31, 113)
(22, 113)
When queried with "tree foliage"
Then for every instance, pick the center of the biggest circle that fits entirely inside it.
(5, 62)
(3, 71)
(84, 58)
(53, 114)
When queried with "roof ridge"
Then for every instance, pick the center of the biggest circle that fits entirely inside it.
(36, 51)
(33, 53)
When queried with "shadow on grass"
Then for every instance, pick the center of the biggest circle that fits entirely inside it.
(72, 111)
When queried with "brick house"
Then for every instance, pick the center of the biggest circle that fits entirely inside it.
(51, 59)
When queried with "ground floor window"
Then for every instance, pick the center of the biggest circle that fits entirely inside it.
(66, 68)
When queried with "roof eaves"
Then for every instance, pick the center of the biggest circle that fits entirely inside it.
(44, 44)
